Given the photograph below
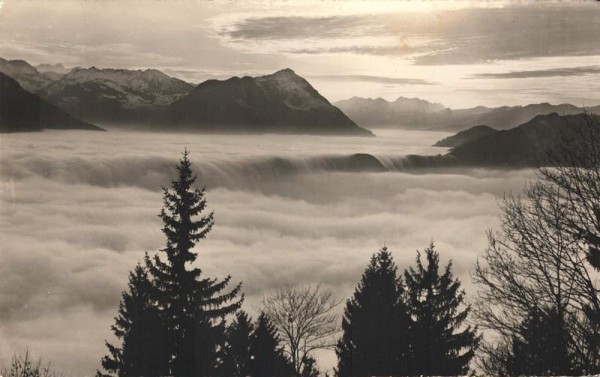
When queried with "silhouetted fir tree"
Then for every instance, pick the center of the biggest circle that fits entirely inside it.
(267, 357)
(141, 331)
(541, 347)
(193, 307)
(236, 360)
(440, 344)
(375, 340)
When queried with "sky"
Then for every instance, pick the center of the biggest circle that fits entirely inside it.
(458, 53)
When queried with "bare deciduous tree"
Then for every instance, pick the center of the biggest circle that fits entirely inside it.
(305, 320)
(23, 365)
(541, 258)
(575, 171)
(534, 263)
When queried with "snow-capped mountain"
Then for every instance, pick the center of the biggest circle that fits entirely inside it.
(114, 95)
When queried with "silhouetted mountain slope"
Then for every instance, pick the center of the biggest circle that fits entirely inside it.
(526, 145)
(24, 111)
(282, 103)
(25, 74)
(115, 95)
(465, 136)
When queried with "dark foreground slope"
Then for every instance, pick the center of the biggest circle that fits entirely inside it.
(25, 74)
(279, 103)
(529, 144)
(24, 111)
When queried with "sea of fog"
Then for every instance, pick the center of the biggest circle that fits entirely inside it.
(78, 209)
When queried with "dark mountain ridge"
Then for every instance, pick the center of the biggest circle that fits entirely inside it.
(465, 136)
(529, 144)
(282, 102)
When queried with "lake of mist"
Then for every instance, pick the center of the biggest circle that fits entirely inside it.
(79, 209)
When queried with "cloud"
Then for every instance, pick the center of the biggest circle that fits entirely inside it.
(556, 72)
(300, 27)
(374, 79)
(445, 37)
(78, 210)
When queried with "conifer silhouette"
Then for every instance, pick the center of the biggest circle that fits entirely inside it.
(193, 307)
(541, 347)
(236, 356)
(440, 345)
(268, 358)
(375, 340)
(171, 321)
(141, 330)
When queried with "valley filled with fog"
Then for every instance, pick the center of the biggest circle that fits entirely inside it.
(78, 209)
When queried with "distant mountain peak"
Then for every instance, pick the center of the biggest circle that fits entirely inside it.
(58, 68)
(379, 112)
(285, 71)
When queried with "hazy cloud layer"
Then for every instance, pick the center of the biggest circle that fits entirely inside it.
(560, 72)
(78, 210)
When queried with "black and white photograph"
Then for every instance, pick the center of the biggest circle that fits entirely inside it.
(299, 188)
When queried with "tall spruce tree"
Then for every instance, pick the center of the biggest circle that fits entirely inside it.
(267, 357)
(236, 356)
(541, 347)
(439, 346)
(375, 340)
(193, 307)
(141, 330)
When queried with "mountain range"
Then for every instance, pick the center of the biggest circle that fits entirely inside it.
(24, 111)
(414, 113)
(282, 102)
(114, 95)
